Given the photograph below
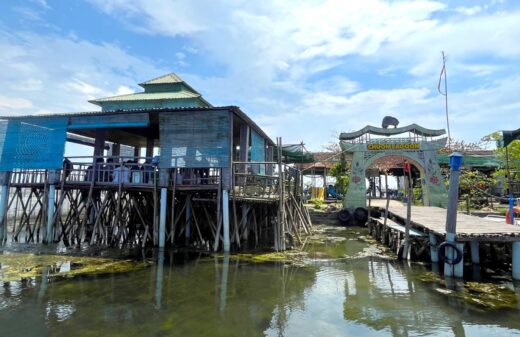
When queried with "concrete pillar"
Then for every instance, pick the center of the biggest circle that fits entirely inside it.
(225, 219)
(4, 202)
(433, 248)
(162, 217)
(516, 260)
(475, 254)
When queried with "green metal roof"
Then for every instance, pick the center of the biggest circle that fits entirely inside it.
(145, 96)
(165, 79)
(473, 161)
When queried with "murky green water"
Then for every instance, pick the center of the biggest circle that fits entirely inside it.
(346, 288)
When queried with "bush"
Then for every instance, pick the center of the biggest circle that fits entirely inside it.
(317, 203)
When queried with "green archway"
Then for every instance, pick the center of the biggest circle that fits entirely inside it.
(420, 148)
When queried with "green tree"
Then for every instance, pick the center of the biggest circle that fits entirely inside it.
(341, 171)
(513, 151)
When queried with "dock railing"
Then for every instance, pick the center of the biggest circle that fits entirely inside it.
(109, 171)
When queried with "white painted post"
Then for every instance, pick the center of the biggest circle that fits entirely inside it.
(451, 217)
(225, 219)
(516, 260)
(162, 217)
(433, 248)
(475, 254)
(50, 212)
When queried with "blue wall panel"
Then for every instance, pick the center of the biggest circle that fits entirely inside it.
(33, 143)
(257, 152)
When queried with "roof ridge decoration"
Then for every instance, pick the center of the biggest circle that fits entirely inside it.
(374, 130)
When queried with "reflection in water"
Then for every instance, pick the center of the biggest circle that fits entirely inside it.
(188, 295)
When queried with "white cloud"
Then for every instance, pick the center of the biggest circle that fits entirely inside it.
(303, 70)
(63, 73)
(8, 104)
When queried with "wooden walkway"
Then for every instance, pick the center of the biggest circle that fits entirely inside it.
(469, 228)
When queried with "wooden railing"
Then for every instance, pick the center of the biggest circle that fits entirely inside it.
(262, 180)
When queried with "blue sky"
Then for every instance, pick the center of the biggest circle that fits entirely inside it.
(304, 70)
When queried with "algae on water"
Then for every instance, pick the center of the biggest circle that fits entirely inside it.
(18, 266)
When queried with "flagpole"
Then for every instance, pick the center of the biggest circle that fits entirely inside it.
(445, 95)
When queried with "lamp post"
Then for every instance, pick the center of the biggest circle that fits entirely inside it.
(451, 218)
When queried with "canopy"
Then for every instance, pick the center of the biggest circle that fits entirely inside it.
(295, 153)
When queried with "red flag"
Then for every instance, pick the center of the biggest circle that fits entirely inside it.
(407, 167)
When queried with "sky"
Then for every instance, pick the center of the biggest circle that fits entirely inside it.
(304, 70)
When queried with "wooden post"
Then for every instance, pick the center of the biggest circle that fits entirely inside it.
(116, 151)
(187, 219)
(149, 147)
(99, 143)
(475, 254)
(406, 243)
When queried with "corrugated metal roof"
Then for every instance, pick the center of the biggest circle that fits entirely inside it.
(232, 108)
(168, 78)
(145, 96)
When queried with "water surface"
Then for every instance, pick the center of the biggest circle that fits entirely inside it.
(345, 288)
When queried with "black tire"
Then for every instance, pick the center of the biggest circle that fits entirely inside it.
(441, 250)
(344, 216)
(361, 214)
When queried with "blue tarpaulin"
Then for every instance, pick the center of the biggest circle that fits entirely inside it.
(32, 143)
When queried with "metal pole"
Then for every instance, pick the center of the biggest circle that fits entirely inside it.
(446, 98)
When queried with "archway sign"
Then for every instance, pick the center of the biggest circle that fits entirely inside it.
(371, 145)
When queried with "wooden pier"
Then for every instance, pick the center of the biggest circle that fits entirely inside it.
(428, 230)
(469, 227)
